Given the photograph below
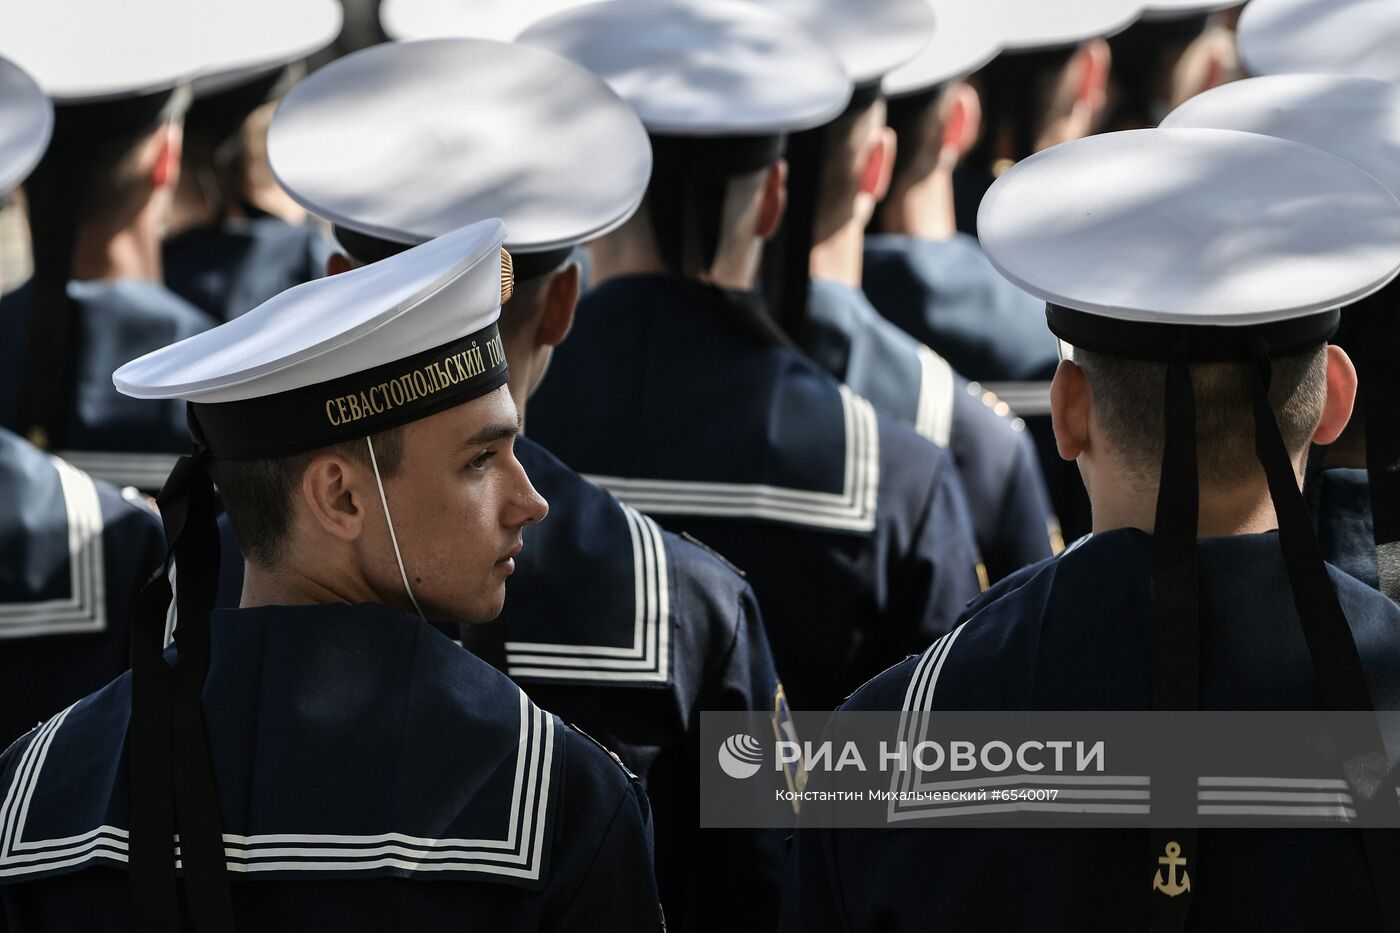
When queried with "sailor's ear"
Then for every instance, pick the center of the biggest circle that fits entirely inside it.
(879, 165)
(774, 200)
(560, 300)
(331, 497)
(1341, 396)
(1070, 401)
(961, 121)
(165, 169)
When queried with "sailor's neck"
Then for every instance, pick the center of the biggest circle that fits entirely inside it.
(1223, 513)
(129, 253)
(290, 586)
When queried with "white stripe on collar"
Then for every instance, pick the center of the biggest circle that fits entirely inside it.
(934, 418)
(84, 609)
(648, 658)
(519, 855)
(852, 509)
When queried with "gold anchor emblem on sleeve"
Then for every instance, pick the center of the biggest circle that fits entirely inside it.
(1173, 860)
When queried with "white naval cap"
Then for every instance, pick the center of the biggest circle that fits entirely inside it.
(1035, 25)
(966, 35)
(1191, 226)
(1351, 37)
(406, 141)
(344, 356)
(870, 37)
(1357, 119)
(480, 19)
(703, 67)
(84, 52)
(253, 37)
(26, 120)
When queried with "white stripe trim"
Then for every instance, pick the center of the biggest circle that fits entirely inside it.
(934, 418)
(142, 470)
(852, 509)
(649, 656)
(913, 718)
(1028, 399)
(518, 855)
(84, 609)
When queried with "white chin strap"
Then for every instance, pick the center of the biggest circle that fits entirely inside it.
(393, 538)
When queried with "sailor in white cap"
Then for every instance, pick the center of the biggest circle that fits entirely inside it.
(1355, 493)
(323, 736)
(838, 173)
(919, 271)
(235, 239)
(620, 627)
(1196, 273)
(1048, 85)
(98, 205)
(853, 531)
(74, 549)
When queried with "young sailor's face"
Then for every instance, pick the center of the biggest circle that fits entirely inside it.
(459, 501)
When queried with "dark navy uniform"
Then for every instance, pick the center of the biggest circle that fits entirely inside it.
(944, 293)
(1074, 634)
(73, 552)
(1340, 502)
(854, 532)
(115, 322)
(371, 775)
(235, 265)
(908, 382)
(628, 632)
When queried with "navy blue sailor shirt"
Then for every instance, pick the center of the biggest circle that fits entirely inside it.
(371, 775)
(231, 266)
(629, 632)
(685, 402)
(947, 295)
(116, 321)
(74, 551)
(1073, 633)
(907, 381)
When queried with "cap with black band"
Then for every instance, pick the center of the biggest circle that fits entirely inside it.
(334, 360)
(1186, 246)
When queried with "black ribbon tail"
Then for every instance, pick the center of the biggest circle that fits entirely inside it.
(166, 705)
(1175, 651)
